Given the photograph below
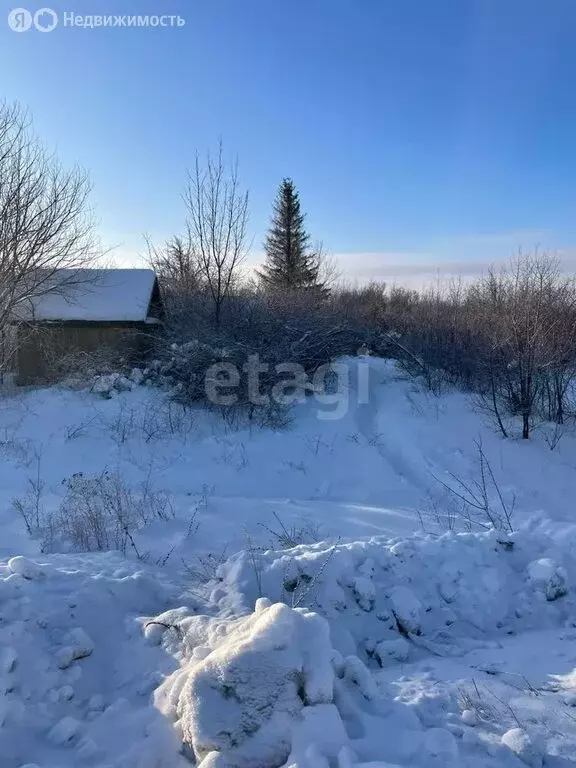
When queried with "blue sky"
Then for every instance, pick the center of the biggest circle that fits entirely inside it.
(419, 133)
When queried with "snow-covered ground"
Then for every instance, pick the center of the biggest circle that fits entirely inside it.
(380, 639)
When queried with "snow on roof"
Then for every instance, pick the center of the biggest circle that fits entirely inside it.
(97, 295)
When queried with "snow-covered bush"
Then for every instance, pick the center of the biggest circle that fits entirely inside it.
(278, 331)
(194, 371)
(271, 352)
(190, 373)
(184, 368)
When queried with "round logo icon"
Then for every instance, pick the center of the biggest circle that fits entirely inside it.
(45, 20)
(19, 20)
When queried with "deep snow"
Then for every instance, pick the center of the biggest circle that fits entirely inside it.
(371, 642)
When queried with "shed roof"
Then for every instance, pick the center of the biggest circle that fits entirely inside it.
(96, 295)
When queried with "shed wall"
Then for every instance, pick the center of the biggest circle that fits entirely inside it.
(47, 350)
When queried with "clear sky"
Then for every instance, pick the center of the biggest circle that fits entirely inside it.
(418, 132)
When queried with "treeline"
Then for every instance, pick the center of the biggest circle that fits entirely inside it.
(509, 337)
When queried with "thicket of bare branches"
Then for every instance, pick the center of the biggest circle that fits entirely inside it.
(510, 337)
(177, 265)
(257, 327)
(201, 270)
(45, 223)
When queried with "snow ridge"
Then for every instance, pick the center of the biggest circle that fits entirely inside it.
(248, 689)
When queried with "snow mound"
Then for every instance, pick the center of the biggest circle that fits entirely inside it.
(521, 744)
(406, 608)
(109, 385)
(22, 566)
(236, 706)
(75, 674)
(549, 577)
(435, 594)
(270, 690)
(309, 680)
(305, 677)
(441, 747)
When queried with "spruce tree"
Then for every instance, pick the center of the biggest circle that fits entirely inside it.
(290, 264)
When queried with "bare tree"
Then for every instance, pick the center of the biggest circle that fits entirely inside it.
(176, 264)
(329, 272)
(528, 321)
(45, 223)
(217, 224)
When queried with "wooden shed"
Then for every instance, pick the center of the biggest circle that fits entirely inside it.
(99, 311)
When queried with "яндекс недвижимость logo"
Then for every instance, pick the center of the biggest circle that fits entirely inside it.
(21, 20)
(46, 19)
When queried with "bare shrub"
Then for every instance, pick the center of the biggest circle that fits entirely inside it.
(478, 502)
(261, 331)
(255, 554)
(204, 568)
(123, 425)
(471, 699)
(11, 445)
(177, 266)
(74, 431)
(30, 506)
(75, 366)
(100, 512)
(526, 317)
(553, 438)
(272, 416)
(303, 588)
(295, 589)
(201, 504)
(444, 514)
(292, 536)
(164, 418)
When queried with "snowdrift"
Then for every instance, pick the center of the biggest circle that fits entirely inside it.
(269, 690)
(294, 657)
(295, 681)
(438, 593)
(75, 675)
